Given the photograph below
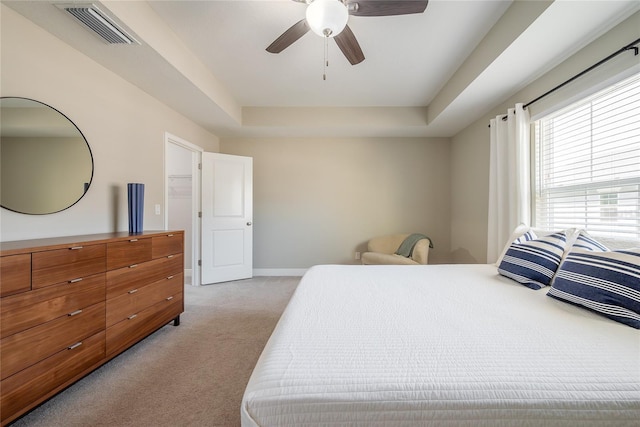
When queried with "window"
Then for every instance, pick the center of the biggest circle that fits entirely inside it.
(587, 164)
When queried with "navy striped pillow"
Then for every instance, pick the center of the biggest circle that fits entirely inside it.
(529, 235)
(533, 263)
(605, 282)
(585, 241)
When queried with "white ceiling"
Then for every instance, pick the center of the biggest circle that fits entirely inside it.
(408, 58)
(430, 74)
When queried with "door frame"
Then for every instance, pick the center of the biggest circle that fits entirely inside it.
(196, 156)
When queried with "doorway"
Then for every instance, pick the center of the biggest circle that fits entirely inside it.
(224, 252)
(182, 199)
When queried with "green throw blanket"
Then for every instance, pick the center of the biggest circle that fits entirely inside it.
(406, 247)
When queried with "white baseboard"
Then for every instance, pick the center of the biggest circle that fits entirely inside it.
(188, 279)
(279, 271)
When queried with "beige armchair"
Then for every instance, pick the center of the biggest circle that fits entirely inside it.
(381, 250)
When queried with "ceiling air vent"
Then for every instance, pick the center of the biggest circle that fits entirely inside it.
(98, 22)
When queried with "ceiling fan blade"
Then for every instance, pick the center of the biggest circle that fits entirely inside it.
(385, 7)
(289, 37)
(348, 44)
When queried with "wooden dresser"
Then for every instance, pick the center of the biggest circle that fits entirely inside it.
(70, 304)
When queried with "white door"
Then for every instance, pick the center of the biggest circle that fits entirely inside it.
(227, 215)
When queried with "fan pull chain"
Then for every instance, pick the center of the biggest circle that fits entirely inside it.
(326, 58)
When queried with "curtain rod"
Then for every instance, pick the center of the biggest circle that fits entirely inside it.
(630, 46)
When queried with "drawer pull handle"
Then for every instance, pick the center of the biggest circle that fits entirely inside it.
(133, 291)
(74, 313)
(76, 345)
(169, 235)
(169, 256)
(75, 248)
(170, 277)
(133, 316)
(133, 266)
(169, 298)
(79, 279)
(133, 240)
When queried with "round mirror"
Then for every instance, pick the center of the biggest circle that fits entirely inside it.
(46, 164)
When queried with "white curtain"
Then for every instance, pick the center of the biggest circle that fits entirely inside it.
(509, 178)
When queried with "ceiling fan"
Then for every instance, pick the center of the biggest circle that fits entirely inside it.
(328, 18)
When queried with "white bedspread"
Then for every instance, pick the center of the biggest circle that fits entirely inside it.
(443, 346)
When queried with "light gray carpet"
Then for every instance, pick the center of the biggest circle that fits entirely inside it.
(190, 375)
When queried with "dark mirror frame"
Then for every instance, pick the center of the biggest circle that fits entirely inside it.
(88, 184)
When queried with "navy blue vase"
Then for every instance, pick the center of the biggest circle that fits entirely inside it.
(135, 192)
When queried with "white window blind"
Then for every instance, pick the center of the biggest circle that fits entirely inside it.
(587, 164)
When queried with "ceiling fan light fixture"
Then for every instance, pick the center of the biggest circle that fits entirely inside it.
(327, 18)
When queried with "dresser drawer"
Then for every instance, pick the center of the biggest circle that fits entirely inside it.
(32, 385)
(29, 309)
(123, 280)
(15, 274)
(127, 332)
(61, 265)
(169, 244)
(136, 300)
(26, 348)
(128, 252)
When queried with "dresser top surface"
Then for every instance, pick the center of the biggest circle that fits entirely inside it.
(23, 246)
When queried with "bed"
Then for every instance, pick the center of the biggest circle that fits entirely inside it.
(441, 345)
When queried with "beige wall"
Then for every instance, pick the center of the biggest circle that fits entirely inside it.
(470, 147)
(123, 125)
(470, 194)
(318, 201)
